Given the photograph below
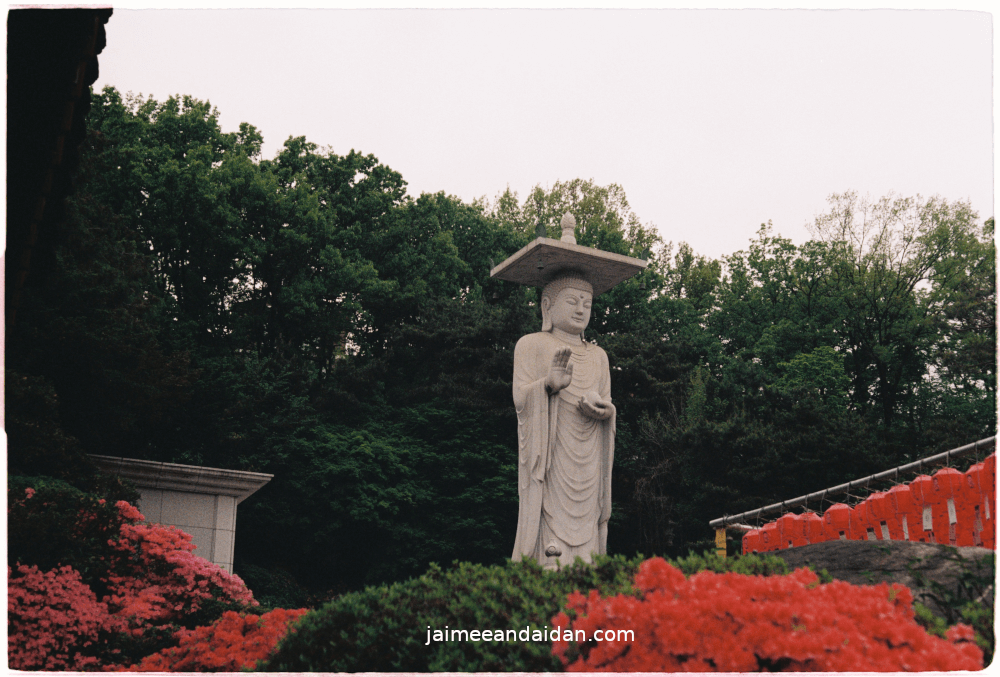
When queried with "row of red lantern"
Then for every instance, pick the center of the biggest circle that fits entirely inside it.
(950, 507)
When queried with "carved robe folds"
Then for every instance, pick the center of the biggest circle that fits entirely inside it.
(564, 456)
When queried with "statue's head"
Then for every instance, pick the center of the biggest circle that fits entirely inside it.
(566, 303)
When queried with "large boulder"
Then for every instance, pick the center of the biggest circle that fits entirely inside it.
(932, 572)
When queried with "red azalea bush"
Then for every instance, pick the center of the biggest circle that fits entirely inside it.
(149, 583)
(156, 578)
(736, 623)
(50, 615)
(231, 644)
(54, 620)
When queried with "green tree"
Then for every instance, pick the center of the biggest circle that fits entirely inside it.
(773, 302)
(305, 288)
(821, 372)
(175, 175)
(899, 266)
(86, 372)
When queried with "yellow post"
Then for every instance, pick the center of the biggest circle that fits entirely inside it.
(720, 542)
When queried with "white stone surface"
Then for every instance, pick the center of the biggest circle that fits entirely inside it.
(562, 394)
(151, 505)
(566, 431)
(226, 518)
(186, 509)
(197, 500)
(203, 539)
(568, 226)
(223, 554)
(544, 259)
(192, 478)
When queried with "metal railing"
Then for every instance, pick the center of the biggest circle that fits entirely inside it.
(945, 457)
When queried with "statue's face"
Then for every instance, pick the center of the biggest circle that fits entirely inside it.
(570, 310)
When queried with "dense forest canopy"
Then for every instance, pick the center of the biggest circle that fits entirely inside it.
(304, 316)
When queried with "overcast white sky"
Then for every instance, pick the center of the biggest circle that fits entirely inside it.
(712, 121)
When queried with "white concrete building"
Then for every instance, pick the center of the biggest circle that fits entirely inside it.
(197, 500)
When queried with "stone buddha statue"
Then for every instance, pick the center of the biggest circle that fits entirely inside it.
(566, 431)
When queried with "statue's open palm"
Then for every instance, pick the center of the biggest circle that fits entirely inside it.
(561, 372)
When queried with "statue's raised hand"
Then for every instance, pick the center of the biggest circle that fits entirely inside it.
(561, 372)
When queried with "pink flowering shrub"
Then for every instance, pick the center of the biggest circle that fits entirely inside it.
(737, 623)
(141, 583)
(54, 620)
(234, 642)
(156, 579)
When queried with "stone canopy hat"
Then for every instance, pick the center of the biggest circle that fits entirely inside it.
(545, 258)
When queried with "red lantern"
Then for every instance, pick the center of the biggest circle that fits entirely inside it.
(973, 482)
(859, 523)
(990, 510)
(837, 522)
(904, 522)
(791, 530)
(864, 521)
(769, 541)
(922, 489)
(813, 527)
(953, 507)
(982, 486)
(880, 512)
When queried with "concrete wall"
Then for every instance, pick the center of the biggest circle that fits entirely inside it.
(211, 520)
(199, 501)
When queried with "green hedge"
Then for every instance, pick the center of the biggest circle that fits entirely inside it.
(273, 588)
(383, 629)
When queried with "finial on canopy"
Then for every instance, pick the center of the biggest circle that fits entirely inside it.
(568, 225)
